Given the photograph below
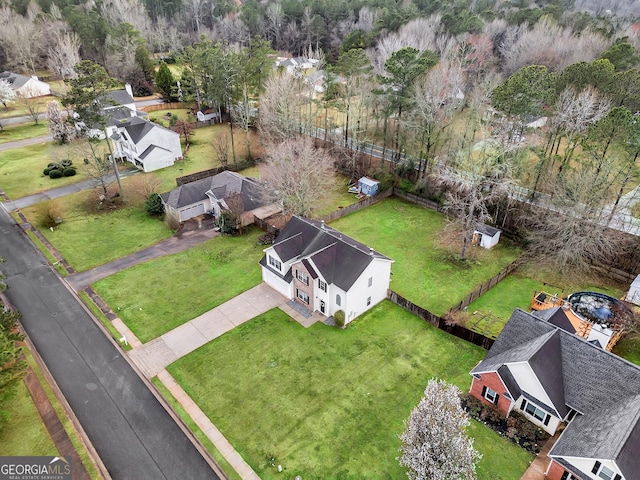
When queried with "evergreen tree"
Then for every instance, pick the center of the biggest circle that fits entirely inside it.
(165, 82)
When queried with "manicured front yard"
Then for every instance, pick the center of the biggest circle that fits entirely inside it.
(329, 403)
(159, 295)
(21, 169)
(424, 273)
(90, 239)
(21, 131)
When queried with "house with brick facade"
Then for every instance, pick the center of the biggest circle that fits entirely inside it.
(556, 378)
(325, 270)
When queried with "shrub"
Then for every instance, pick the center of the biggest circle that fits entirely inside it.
(55, 173)
(48, 213)
(153, 205)
(46, 171)
(338, 318)
(69, 172)
(66, 163)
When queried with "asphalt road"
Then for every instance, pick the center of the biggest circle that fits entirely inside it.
(133, 434)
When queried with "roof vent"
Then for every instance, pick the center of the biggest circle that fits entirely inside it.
(322, 224)
(370, 251)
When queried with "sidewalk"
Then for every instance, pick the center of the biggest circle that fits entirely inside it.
(538, 467)
(25, 142)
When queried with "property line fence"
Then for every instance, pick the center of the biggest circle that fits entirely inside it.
(466, 301)
(418, 200)
(441, 323)
(234, 167)
(363, 203)
(165, 106)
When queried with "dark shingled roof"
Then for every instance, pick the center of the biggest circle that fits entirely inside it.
(486, 229)
(221, 185)
(117, 97)
(14, 79)
(602, 387)
(339, 258)
(150, 149)
(556, 316)
(137, 128)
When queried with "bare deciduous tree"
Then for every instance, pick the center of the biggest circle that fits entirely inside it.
(435, 445)
(298, 175)
(28, 97)
(280, 107)
(20, 38)
(221, 147)
(63, 54)
(235, 208)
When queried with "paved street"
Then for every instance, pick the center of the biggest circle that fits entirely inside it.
(132, 432)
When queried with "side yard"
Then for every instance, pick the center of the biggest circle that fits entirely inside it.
(423, 272)
(307, 399)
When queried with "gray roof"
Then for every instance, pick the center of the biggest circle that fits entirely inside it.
(556, 316)
(117, 97)
(486, 229)
(339, 258)
(150, 149)
(601, 386)
(137, 128)
(14, 79)
(221, 186)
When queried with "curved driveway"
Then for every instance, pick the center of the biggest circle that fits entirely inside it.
(132, 432)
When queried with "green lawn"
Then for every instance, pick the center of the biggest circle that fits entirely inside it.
(183, 285)
(328, 403)
(21, 169)
(489, 313)
(159, 117)
(22, 131)
(422, 272)
(629, 347)
(18, 108)
(86, 240)
(24, 433)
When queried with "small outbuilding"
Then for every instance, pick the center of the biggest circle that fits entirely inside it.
(486, 236)
(368, 186)
(633, 295)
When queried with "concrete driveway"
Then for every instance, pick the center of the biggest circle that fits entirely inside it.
(154, 356)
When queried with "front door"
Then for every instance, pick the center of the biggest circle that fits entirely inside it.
(322, 307)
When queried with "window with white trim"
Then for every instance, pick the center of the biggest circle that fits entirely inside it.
(605, 473)
(535, 412)
(302, 296)
(322, 285)
(370, 281)
(275, 263)
(490, 394)
(338, 299)
(303, 277)
(368, 301)
(568, 476)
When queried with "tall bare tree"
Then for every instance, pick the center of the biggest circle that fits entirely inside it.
(298, 174)
(280, 107)
(63, 53)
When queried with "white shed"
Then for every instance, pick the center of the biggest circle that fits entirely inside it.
(486, 236)
(633, 295)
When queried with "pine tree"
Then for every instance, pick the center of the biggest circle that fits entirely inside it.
(165, 83)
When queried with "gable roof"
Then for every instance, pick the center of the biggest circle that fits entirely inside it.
(486, 229)
(117, 97)
(15, 79)
(602, 387)
(338, 258)
(556, 316)
(221, 186)
(137, 128)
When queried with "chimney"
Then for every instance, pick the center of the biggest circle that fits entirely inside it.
(127, 87)
(322, 224)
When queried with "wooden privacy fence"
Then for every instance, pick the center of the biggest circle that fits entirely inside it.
(439, 322)
(363, 203)
(165, 106)
(418, 200)
(234, 167)
(486, 286)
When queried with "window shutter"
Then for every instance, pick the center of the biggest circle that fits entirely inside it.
(523, 404)
(546, 419)
(565, 475)
(596, 467)
(617, 477)
(484, 390)
(495, 401)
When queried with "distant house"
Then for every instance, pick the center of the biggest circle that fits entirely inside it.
(486, 236)
(325, 270)
(209, 196)
(26, 87)
(296, 66)
(554, 377)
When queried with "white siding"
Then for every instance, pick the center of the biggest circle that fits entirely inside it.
(528, 381)
(554, 421)
(277, 283)
(586, 464)
(191, 211)
(356, 298)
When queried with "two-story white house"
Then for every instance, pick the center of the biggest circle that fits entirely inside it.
(554, 377)
(325, 270)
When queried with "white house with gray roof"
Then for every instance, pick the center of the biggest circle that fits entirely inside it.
(554, 377)
(324, 270)
(209, 195)
(26, 87)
